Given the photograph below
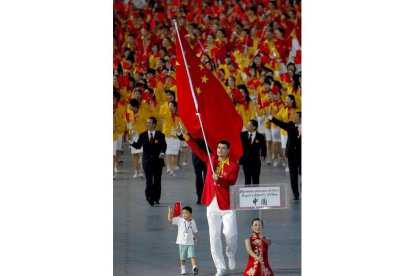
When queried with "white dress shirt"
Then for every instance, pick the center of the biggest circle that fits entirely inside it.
(253, 135)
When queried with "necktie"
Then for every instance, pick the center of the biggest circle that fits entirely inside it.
(250, 139)
(151, 139)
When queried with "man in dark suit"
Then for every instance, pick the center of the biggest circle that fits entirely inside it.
(254, 151)
(293, 148)
(153, 159)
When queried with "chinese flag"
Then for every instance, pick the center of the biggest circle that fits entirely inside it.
(177, 209)
(218, 115)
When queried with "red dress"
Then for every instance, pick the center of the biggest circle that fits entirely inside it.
(254, 268)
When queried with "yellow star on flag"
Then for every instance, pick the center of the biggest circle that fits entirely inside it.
(198, 90)
(204, 79)
(176, 63)
(201, 66)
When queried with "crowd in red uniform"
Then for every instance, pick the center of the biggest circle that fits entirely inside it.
(252, 47)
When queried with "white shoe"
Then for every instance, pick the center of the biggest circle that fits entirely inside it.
(116, 170)
(220, 272)
(287, 169)
(141, 176)
(232, 263)
(173, 175)
(183, 271)
(135, 175)
(168, 171)
(177, 168)
(185, 163)
(283, 164)
(268, 162)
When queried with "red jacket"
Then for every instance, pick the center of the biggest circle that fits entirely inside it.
(227, 178)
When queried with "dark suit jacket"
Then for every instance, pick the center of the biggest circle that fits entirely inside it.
(294, 144)
(151, 153)
(252, 152)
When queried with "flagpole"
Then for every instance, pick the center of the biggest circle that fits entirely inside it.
(193, 94)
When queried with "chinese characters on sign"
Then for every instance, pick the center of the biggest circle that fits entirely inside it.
(259, 197)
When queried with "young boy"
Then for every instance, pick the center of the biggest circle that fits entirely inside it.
(187, 233)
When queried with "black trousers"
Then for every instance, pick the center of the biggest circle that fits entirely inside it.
(295, 168)
(200, 171)
(251, 173)
(153, 180)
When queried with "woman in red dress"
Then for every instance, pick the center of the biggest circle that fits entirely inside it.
(256, 246)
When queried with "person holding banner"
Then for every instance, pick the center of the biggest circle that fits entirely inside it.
(216, 196)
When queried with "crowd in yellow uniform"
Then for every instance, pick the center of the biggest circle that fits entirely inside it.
(253, 51)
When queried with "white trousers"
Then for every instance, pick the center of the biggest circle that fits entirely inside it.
(215, 218)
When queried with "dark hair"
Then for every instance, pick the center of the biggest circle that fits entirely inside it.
(134, 103)
(294, 66)
(267, 81)
(254, 123)
(224, 142)
(154, 121)
(117, 95)
(150, 90)
(170, 92)
(247, 31)
(188, 208)
(296, 82)
(293, 99)
(151, 71)
(258, 220)
(244, 88)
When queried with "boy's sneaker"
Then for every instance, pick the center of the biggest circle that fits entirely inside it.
(195, 270)
(183, 271)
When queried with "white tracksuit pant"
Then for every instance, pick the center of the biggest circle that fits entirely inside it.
(215, 218)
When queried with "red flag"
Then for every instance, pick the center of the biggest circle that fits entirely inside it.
(177, 209)
(214, 104)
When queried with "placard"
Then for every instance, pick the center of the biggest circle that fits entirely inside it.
(263, 196)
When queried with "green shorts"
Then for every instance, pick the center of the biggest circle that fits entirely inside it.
(186, 251)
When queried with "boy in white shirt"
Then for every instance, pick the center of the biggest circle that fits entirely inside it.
(187, 233)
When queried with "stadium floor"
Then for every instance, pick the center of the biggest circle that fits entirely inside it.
(144, 241)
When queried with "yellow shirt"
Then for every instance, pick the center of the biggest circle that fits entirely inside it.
(246, 115)
(138, 120)
(219, 168)
(298, 96)
(121, 118)
(115, 137)
(286, 117)
(170, 125)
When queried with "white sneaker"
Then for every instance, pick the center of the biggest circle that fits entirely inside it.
(287, 169)
(185, 163)
(141, 176)
(135, 175)
(116, 170)
(220, 272)
(177, 168)
(183, 271)
(232, 263)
